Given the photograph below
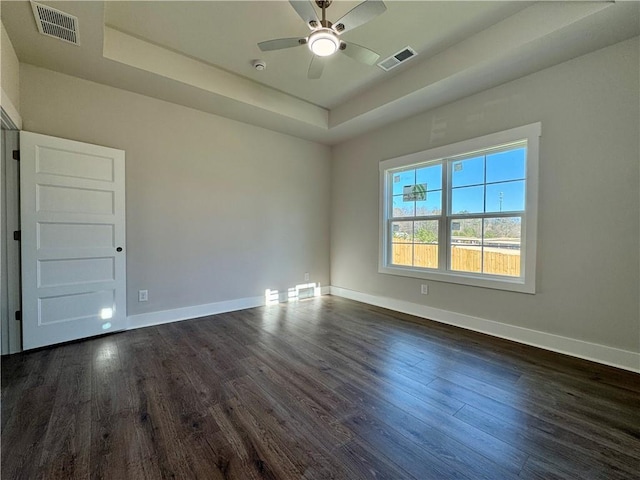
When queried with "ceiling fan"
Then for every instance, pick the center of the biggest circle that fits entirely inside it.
(324, 39)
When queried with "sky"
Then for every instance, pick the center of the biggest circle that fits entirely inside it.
(504, 190)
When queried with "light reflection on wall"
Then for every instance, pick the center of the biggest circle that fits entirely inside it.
(293, 294)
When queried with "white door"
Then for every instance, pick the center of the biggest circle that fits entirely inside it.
(72, 208)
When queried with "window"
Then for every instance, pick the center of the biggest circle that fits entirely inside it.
(464, 213)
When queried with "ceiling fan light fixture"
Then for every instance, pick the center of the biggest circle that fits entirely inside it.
(323, 42)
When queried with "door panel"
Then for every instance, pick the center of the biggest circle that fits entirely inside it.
(65, 200)
(75, 235)
(72, 221)
(74, 271)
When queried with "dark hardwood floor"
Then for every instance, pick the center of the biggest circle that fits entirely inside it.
(319, 389)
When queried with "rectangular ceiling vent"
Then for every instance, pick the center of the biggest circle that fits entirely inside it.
(55, 23)
(396, 59)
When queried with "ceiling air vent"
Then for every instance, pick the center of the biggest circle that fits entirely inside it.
(396, 59)
(55, 23)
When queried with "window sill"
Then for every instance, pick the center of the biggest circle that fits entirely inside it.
(494, 282)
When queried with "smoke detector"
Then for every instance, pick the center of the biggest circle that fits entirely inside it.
(259, 65)
(55, 23)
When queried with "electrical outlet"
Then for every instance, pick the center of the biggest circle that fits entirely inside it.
(306, 277)
(424, 289)
(143, 295)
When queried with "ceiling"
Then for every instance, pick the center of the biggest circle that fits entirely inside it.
(200, 54)
(198, 30)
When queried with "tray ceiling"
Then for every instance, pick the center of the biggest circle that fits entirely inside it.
(199, 54)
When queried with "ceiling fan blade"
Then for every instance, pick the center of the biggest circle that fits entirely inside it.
(359, 15)
(360, 53)
(280, 43)
(305, 9)
(316, 67)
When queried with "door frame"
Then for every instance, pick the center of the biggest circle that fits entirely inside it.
(10, 283)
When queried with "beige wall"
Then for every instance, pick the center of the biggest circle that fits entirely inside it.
(216, 210)
(219, 210)
(588, 249)
(9, 71)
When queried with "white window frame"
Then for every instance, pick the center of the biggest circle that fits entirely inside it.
(526, 283)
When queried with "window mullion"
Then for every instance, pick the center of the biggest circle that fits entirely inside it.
(482, 246)
(416, 218)
(389, 214)
(443, 226)
(466, 216)
(484, 208)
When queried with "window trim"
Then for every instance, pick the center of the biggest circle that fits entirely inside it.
(525, 284)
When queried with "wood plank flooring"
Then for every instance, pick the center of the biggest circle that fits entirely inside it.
(324, 388)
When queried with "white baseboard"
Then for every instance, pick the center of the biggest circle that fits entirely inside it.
(186, 313)
(577, 348)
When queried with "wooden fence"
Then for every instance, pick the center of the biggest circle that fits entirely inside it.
(498, 261)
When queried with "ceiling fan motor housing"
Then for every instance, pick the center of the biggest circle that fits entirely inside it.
(324, 3)
(323, 42)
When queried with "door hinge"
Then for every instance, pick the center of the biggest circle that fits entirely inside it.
(19, 315)
(17, 235)
(16, 155)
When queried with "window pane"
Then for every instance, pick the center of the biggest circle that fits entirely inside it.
(468, 231)
(426, 231)
(467, 200)
(467, 172)
(425, 250)
(466, 245)
(431, 175)
(431, 206)
(509, 165)
(502, 241)
(505, 197)
(402, 208)
(402, 232)
(400, 179)
(402, 254)
(402, 247)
